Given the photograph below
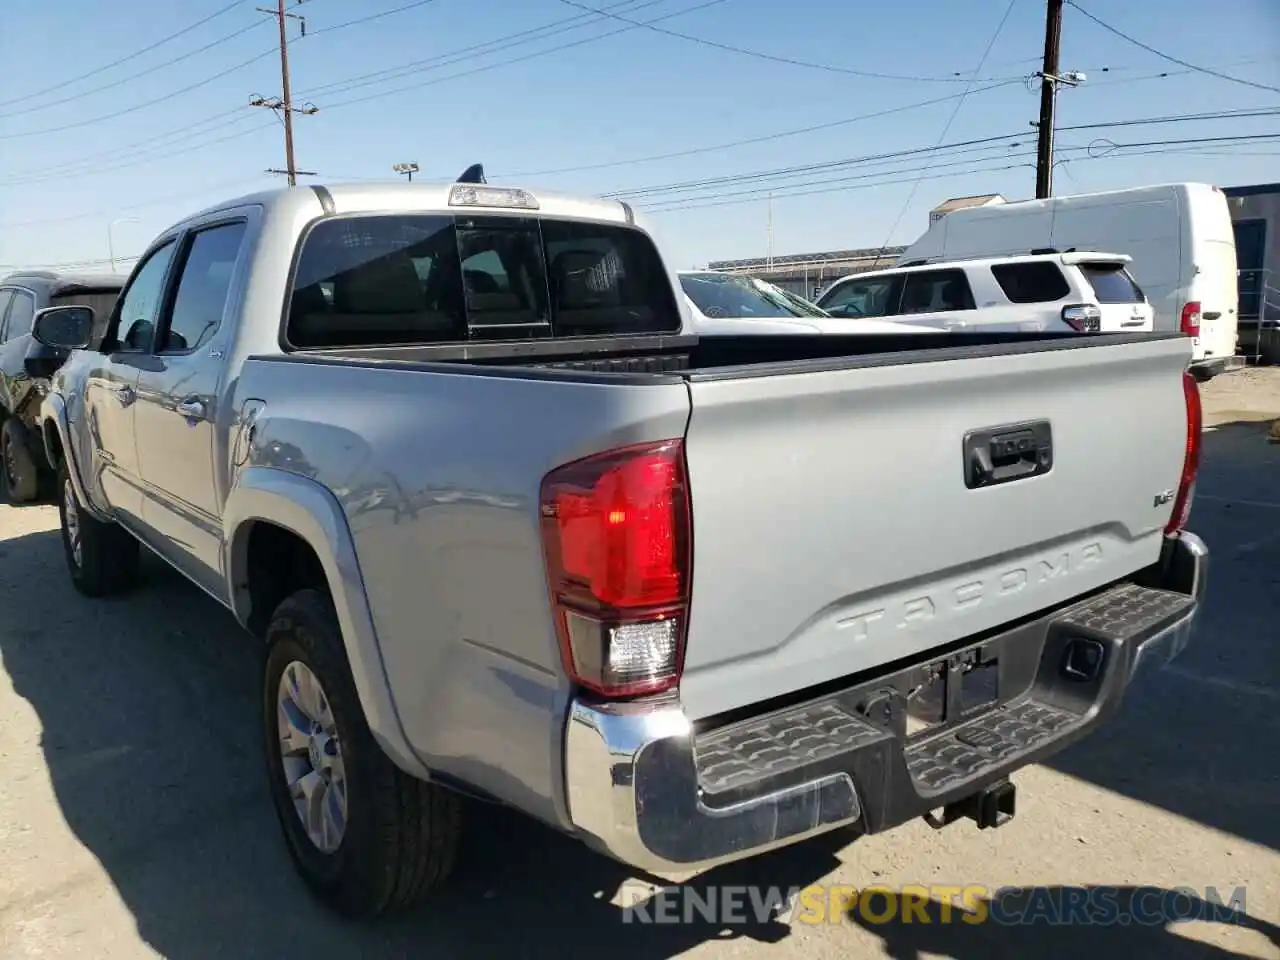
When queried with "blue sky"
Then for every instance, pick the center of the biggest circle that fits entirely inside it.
(446, 83)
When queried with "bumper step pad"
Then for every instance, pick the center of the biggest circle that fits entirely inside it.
(780, 743)
(824, 734)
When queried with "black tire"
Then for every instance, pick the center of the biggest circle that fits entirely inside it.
(401, 835)
(21, 475)
(109, 561)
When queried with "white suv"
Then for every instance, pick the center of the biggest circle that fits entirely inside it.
(1083, 291)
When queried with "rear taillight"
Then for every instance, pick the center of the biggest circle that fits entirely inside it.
(1190, 458)
(1085, 317)
(1191, 318)
(616, 532)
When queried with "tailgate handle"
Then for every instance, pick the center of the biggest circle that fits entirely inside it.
(1014, 451)
(1212, 315)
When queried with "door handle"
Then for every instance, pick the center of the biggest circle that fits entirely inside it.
(191, 408)
(126, 394)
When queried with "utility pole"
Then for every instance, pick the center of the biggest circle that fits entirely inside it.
(1048, 98)
(1050, 80)
(283, 105)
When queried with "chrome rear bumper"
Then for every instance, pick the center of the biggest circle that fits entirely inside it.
(648, 790)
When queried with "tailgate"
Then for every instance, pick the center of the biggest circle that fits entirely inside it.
(833, 530)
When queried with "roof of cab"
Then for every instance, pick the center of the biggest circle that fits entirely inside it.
(390, 197)
(55, 281)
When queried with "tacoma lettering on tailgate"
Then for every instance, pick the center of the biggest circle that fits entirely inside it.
(910, 610)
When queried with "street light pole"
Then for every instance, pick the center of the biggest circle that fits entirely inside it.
(111, 250)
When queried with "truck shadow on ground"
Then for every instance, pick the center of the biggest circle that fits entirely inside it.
(1126, 922)
(148, 710)
(1193, 739)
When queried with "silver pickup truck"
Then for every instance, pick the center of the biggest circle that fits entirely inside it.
(508, 533)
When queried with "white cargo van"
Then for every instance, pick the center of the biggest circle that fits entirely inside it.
(1178, 235)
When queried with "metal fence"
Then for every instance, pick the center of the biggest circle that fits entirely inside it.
(1259, 315)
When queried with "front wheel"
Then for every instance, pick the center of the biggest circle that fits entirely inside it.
(366, 837)
(102, 557)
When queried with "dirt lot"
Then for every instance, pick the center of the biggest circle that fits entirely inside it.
(134, 819)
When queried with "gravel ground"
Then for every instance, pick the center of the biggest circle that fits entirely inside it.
(134, 819)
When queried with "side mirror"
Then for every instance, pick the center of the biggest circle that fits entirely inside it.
(64, 328)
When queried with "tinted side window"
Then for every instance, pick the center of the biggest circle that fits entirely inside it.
(872, 297)
(21, 312)
(1112, 283)
(936, 290)
(202, 288)
(413, 278)
(5, 297)
(141, 303)
(1040, 281)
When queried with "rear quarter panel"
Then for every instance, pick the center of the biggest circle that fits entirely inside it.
(438, 475)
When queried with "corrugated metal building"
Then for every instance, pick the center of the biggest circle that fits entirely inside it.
(808, 274)
(1255, 215)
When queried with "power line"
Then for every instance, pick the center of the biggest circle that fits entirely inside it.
(763, 138)
(986, 52)
(132, 56)
(151, 157)
(372, 16)
(759, 193)
(499, 44)
(1172, 59)
(114, 209)
(134, 76)
(1013, 138)
(514, 60)
(274, 51)
(146, 103)
(792, 61)
(86, 163)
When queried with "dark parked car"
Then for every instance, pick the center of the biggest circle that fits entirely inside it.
(26, 365)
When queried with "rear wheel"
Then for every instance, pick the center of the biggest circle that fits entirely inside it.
(366, 837)
(102, 557)
(21, 476)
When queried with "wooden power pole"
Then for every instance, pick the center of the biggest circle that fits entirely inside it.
(284, 104)
(1048, 97)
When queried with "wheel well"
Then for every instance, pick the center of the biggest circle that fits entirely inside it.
(278, 564)
(52, 442)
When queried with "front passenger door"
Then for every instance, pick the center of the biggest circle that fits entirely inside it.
(109, 465)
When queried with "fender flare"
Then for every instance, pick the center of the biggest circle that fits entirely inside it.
(54, 409)
(312, 513)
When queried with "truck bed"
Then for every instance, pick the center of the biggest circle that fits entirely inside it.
(835, 527)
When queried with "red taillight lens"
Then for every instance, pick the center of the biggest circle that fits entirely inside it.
(616, 533)
(1191, 318)
(1191, 456)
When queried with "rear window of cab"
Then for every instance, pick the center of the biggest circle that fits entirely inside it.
(397, 279)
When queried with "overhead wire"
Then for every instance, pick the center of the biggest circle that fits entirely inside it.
(759, 55)
(125, 59)
(1143, 148)
(946, 128)
(256, 25)
(499, 44)
(1168, 56)
(513, 60)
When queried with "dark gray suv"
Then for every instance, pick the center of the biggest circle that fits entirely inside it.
(26, 365)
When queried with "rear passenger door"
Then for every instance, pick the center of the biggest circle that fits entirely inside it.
(937, 298)
(176, 420)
